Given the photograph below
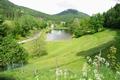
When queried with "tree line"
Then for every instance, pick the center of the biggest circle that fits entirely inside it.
(95, 23)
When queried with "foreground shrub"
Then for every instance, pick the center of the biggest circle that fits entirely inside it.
(11, 54)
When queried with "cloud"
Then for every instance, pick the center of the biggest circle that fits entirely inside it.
(65, 4)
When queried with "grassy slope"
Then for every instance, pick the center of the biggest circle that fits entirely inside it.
(62, 53)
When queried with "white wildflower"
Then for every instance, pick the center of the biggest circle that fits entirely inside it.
(58, 73)
(99, 54)
(84, 74)
(90, 60)
(103, 60)
(82, 79)
(71, 76)
(97, 76)
(61, 72)
(95, 71)
(88, 57)
(90, 79)
(66, 73)
(117, 72)
(107, 64)
(95, 64)
(100, 59)
(96, 57)
(37, 77)
(102, 76)
(75, 75)
(84, 70)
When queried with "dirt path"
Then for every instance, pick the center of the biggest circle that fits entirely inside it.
(37, 35)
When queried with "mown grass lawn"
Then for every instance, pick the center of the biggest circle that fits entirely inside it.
(62, 54)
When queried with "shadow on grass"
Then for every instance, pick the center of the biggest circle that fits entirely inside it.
(91, 52)
(95, 50)
(6, 77)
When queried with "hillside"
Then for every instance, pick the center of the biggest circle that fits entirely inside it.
(70, 14)
(11, 11)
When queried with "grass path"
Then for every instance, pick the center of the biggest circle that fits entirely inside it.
(63, 54)
(37, 35)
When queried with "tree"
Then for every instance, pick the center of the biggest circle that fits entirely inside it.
(10, 51)
(112, 17)
(84, 26)
(3, 30)
(39, 48)
(96, 22)
(26, 23)
(74, 27)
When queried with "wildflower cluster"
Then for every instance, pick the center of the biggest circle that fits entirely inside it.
(65, 74)
(61, 73)
(97, 63)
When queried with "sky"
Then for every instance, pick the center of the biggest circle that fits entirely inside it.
(55, 6)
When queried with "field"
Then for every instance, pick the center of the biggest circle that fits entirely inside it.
(63, 54)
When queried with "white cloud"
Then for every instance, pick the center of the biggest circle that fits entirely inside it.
(54, 6)
(65, 4)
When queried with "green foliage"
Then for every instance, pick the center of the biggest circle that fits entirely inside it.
(112, 17)
(24, 24)
(112, 20)
(76, 29)
(2, 28)
(111, 54)
(96, 22)
(63, 53)
(112, 57)
(86, 26)
(12, 11)
(40, 45)
(100, 68)
(11, 53)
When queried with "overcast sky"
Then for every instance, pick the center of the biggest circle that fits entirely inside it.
(55, 6)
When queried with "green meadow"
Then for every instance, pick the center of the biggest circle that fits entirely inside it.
(62, 54)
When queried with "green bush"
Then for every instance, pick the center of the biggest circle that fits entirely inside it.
(11, 53)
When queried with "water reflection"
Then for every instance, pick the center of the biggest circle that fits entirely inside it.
(58, 35)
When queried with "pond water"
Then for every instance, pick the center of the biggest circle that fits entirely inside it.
(58, 35)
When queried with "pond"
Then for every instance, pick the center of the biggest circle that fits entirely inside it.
(58, 35)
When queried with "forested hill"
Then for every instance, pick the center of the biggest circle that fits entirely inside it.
(11, 11)
(70, 14)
